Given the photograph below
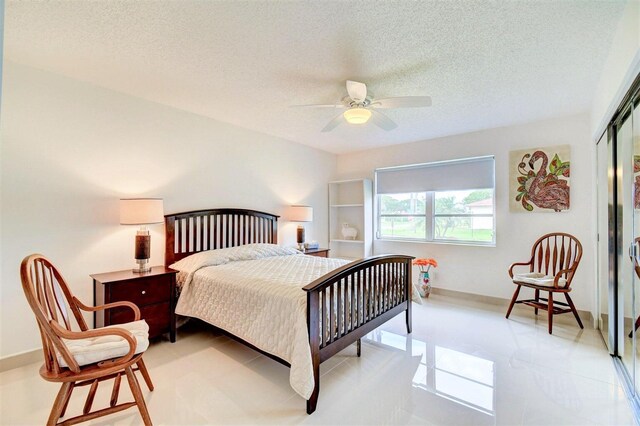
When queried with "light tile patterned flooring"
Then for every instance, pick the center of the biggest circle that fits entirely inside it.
(464, 364)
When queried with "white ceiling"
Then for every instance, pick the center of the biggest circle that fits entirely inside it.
(485, 64)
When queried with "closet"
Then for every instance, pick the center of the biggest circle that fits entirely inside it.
(618, 225)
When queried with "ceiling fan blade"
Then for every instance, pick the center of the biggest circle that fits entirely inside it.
(339, 106)
(333, 123)
(357, 91)
(403, 102)
(382, 121)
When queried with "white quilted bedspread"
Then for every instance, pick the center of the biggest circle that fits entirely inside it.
(259, 300)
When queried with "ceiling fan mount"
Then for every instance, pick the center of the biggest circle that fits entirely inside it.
(350, 103)
(361, 106)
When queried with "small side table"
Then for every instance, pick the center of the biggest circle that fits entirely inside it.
(154, 292)
(319, 252)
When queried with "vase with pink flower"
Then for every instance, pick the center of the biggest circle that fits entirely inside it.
(425, 265)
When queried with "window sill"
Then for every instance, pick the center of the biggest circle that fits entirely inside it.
(439, 242)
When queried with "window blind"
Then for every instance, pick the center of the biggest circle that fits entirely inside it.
(470, 173)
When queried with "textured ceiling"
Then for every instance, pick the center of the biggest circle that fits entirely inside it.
(485, 64)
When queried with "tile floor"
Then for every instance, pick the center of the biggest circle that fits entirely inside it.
(463, 364)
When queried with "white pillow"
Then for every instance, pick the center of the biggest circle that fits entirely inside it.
(189, 265)
(257, 251)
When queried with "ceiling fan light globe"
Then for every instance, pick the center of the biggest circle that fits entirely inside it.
(357, 115)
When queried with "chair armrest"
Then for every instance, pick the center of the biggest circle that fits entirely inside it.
(559, 275)
(518, 264)
(136, 310)
(98, 332)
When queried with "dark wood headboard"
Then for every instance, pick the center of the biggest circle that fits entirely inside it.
(192, 232)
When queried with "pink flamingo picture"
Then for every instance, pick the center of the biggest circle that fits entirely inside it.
(543, 184)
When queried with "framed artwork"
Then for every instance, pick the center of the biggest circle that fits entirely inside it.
(539, 179)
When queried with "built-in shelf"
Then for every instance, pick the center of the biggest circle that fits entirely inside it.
(351, 206)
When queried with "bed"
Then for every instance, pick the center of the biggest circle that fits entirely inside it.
(235, 277)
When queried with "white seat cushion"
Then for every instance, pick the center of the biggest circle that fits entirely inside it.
(537, 278)
(95, 349)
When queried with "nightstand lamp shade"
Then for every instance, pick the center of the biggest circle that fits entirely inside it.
(300, 214)
(142, 211)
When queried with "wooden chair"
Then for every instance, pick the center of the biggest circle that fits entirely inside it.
(100, 354)
(557, 256)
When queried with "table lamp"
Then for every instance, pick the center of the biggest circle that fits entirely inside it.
(300, 214)
(143, 212)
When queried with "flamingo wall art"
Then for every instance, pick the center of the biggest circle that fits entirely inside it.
(539, 179)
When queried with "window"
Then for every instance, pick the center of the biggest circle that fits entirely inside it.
(450, 201)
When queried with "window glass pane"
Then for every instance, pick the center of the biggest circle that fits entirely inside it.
(446, 201)
(403, 227)
(410, 203)
(477, 201)
(464, 228)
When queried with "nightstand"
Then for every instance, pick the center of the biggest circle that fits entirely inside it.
(153, 292)
(320, 252)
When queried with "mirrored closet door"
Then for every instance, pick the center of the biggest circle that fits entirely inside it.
(625, 215)
(606, 239)
(618, 227)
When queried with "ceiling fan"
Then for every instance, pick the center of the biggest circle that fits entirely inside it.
(360, 108)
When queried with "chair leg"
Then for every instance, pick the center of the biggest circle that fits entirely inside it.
(537, 299)
(145, 374)
(137, 395)
(58, 404)
(550, 312)
(573, 309)
(92, 394)
(67, 399)
(513, 301)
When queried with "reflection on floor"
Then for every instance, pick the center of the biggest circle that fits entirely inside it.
(464, 363)
(462, 378)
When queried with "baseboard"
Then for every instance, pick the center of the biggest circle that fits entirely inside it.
(585, 316)
(29, 357)
(21, 359)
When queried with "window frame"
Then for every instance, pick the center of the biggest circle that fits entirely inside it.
(430, 214)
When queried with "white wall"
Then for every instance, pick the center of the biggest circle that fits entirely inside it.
(70, 150)
(483, 270)
(619, 70)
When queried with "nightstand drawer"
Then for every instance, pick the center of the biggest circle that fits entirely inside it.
(142, 292)
(157, 316)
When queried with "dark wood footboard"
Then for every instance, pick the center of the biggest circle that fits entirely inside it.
(346, 304)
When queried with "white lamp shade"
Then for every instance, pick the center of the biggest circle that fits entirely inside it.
(357, 115)
(141, 211)
(300, 214)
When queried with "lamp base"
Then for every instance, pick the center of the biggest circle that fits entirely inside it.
(300, 237)
(143, 266)
(142, 250)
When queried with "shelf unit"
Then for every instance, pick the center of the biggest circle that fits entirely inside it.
(350, 202)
